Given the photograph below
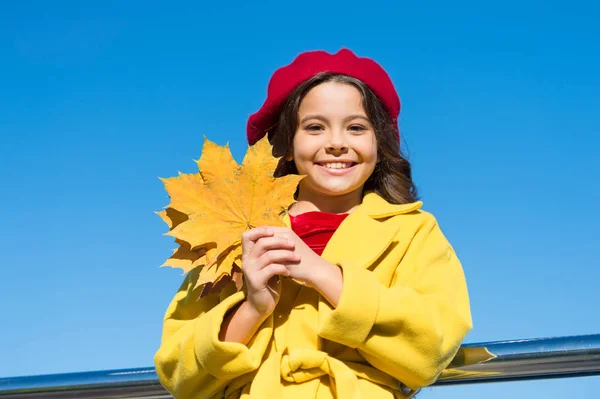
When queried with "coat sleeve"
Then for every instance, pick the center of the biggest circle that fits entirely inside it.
(192, 362)
(412, 329)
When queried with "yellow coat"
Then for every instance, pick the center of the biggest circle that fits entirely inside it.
(402, 315)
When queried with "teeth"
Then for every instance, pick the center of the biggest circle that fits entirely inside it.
(336, 165)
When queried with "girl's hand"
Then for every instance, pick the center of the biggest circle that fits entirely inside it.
(264, 258)
(311, 267)
(312, 270)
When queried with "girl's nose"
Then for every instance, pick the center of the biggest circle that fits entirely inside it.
(337, 143)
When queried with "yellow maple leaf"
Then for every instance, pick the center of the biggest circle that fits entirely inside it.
(232, 198)
(215, 271)
(184, 257)
(172, 217)
(187, 189)
(227, 268)
(211, 209)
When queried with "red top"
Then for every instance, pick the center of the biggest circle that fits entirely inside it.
(316, 228)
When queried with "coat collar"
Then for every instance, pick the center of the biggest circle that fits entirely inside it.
(362, 238)
(377, 208)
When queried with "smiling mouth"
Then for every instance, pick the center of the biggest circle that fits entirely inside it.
(337, 165)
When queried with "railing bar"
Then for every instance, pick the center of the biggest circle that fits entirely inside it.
(516, 360)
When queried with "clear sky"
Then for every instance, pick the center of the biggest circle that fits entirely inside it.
(500, 119)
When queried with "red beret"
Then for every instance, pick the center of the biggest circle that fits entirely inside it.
(309, 64)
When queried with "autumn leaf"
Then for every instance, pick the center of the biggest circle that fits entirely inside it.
(211, 209)
(188, 188)
(232, 198)
(217, 270)
(226, 269)
(184, 258)
(172, 217)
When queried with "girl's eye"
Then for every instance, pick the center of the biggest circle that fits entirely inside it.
(314, 128)
(357, 128)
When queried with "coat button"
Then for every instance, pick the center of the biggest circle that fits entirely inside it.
(405, 390)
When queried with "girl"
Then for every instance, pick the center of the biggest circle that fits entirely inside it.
(376, 303)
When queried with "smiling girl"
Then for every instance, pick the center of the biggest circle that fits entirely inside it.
(361, 296)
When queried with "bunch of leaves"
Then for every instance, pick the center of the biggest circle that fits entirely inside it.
(210, 210)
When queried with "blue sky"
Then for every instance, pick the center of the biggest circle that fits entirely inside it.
(500, 119)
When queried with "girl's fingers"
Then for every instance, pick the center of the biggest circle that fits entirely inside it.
(280, 231)
(250, 237)
(256, 233)
(277, 256)
(269, 243)
(274, 269)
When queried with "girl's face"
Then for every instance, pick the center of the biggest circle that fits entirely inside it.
(335, 144)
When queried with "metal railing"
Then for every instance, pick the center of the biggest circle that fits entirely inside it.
(528, 359)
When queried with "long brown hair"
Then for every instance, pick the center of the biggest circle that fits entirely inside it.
(391, 179)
